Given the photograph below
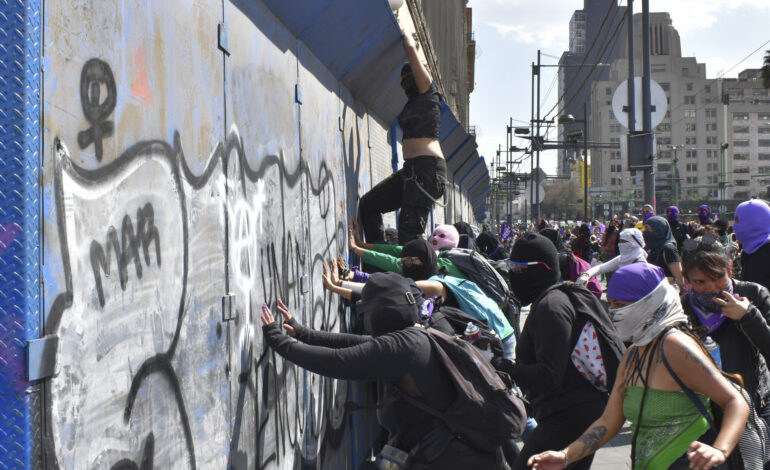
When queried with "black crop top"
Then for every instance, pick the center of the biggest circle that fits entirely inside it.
(421, 116)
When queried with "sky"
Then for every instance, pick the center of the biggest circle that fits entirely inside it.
(508, 33)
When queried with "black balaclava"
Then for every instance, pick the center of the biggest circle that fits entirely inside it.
(555, 238)
(534, 280)
(466, 234)
(420, 248)
(408, 83)
(388, 303)
(487, 243)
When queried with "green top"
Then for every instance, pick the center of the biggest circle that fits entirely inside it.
(670, 423)
(387, 257)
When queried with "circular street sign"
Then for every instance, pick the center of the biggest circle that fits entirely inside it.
(657, 98)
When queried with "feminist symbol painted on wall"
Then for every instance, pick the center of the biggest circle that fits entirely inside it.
(95, 75)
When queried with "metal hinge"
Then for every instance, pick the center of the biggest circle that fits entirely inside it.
(41, 357)
(304, 284)
(227, 307)
(341, 123)
(222, 43)
(297, 94)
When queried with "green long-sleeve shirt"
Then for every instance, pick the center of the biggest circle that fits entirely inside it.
(386, 257)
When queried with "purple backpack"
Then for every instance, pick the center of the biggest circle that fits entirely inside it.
(578, 266)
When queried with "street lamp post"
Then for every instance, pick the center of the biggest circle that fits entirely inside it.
(674, 177)
(584, 121)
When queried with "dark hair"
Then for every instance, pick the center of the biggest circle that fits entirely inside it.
(711, 259)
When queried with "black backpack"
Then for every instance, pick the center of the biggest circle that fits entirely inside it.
(458, 320)
(589, 308)
(486, 411)
(491, 277)
(479, 270)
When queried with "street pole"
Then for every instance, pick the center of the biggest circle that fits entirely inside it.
(631, 85)
(649, 173)
(510, 172)
(722, 181)
(536, 214)
(585, 165)
(674, 180)
(532, 146)
(631, 109)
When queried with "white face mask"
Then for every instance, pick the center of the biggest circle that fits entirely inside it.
(631, 246)
(641, 321)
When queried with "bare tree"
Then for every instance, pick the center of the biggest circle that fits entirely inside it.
(766, 71)
(562, 196)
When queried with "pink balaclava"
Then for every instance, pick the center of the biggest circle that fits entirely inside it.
(444, 236)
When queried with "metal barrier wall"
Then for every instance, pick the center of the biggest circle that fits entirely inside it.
(194, 160)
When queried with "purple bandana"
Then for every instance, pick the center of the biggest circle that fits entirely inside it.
(708, 312)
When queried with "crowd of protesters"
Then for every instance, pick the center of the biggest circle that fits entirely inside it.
(678, 344)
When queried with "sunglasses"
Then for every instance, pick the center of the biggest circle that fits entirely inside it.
(519, 266)
(707, 241)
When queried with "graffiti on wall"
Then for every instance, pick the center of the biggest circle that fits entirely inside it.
(150, 371)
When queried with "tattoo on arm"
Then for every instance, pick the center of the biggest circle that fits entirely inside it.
(592, 439)
(690, 355)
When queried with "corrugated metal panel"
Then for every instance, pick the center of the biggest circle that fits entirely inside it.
(475, 174)
(358, 41)
(20, 309)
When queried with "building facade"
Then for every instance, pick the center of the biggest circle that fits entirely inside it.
(688, 160)
(595, 38)
(748, 134)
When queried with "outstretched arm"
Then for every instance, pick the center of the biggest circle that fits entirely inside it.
(700, 374)
(332, 283)
(597, 434)
(421, 75)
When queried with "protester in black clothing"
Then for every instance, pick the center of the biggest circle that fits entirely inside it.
(752, 228)
(489, 245)
(564, 402)
(678, 229)
(399, 354)
(734, 314)
(467, 238)
(662, 249)
(420, 183)
(423, 261)
(581, 246)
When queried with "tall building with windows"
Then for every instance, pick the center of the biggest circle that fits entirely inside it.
(595, 38)
(747, 105)
(688, 160)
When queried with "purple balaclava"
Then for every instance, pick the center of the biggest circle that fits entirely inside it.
(672, 214)
(752, 224)
(634, 281)
(704, 213)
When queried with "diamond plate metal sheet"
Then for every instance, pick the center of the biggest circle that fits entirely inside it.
(20, 34)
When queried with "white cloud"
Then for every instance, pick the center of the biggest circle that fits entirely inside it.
(687, 18)
(526, 22)
(547, 23)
